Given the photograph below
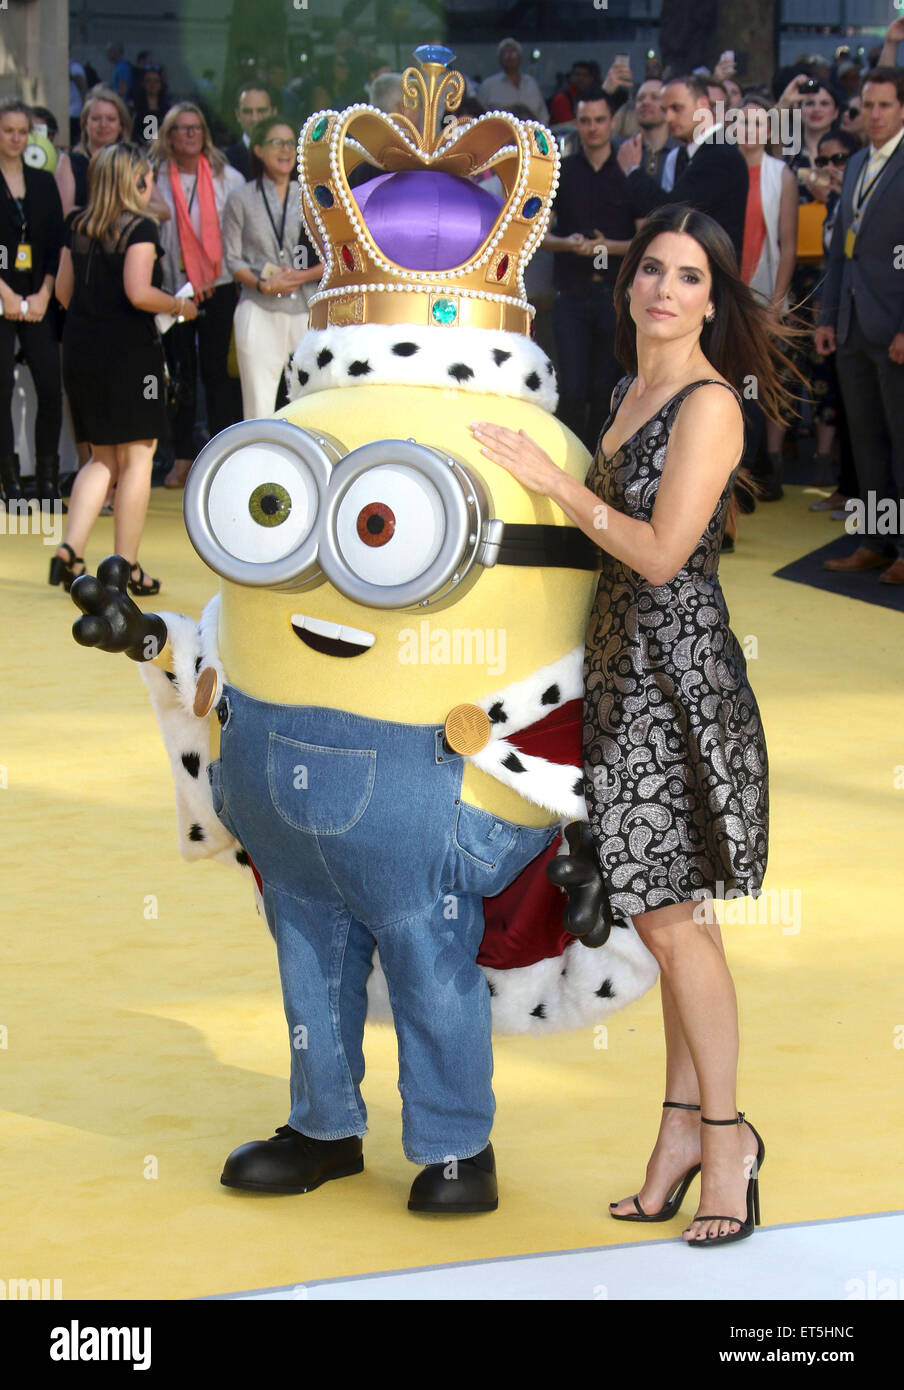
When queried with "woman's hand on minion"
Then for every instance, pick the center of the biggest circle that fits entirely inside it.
(516, 452)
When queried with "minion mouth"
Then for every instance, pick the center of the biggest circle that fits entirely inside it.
(331, 639)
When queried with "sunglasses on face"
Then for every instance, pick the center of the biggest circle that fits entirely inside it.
(852, 111)
(822, 160)
(281, 144)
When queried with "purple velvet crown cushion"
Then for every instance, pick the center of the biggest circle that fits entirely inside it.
(425, 220)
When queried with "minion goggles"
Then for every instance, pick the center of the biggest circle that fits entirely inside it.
(392, 524)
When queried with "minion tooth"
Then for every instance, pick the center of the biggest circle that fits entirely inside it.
(337, 631)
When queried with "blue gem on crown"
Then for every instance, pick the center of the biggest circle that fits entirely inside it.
(434, 53)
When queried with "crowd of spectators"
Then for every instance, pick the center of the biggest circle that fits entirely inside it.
(220, 206)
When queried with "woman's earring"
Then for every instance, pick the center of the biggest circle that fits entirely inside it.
(709, 317)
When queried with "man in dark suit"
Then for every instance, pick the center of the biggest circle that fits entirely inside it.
(252, 105)
(710, 173)
(595, 217)
(862, 321)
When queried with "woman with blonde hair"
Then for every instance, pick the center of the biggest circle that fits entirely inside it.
(109, 283)
(195, 182)
(104, 119)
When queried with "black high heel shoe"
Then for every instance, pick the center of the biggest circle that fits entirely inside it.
(62, 572)
(752, 1218)
(587, 915)
(672, 1203)
(139, 587)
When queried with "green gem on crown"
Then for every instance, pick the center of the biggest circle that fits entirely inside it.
(542, 142)
(444, 311)
(320, 127)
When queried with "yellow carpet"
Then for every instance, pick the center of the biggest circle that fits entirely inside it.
(144, 1036)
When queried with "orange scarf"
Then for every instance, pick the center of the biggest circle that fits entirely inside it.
(203, 258)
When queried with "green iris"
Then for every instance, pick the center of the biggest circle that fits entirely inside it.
(269, 504)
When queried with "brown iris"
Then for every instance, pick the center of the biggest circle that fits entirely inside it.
(376, 523)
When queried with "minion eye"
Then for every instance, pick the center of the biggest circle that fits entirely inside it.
(262, 503)
(403, 525)
(253, 502)
(390, 525)
(270, 504)
(376, 524)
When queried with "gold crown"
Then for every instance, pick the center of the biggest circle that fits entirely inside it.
(360, 284)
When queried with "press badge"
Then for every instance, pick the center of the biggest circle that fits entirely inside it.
(23, 256)
(850, 237)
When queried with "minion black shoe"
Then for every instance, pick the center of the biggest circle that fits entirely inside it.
(291, 1162)
(459, 1185)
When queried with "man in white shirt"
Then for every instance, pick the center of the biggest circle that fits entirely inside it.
(511, 87)
(710, 172)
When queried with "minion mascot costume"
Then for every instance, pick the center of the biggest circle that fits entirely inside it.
(385, 696)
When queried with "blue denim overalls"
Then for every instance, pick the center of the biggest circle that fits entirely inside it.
(358, 831)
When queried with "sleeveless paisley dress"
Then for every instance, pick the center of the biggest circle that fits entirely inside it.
(675, 764)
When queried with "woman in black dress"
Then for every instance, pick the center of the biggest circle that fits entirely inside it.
(675, 765)
(31, 229)
(113, 368)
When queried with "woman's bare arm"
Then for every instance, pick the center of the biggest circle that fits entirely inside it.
(789, 207)
(704, 446)
(65, 182)
(137, 270)
(65, 281)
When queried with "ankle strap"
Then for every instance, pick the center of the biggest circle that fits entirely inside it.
(678, 1105)
(738, 1121)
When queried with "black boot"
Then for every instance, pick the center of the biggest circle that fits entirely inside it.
(470, 1186)
(588, 914)
(745, 497)
(10, 482)
(47, 474)
(770, 481)
(291, 1162)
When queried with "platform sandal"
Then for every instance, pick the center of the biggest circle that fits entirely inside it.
(672, 1203)
(752, 1219)
(62, 572)
(138, 586)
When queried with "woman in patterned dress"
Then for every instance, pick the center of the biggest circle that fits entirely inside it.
(676, 773)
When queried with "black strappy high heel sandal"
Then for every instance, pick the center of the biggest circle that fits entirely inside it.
(753, 1194)
(672, 1203)
(138, 586)
(62, 572)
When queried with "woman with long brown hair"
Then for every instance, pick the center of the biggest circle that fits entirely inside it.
(675, 764)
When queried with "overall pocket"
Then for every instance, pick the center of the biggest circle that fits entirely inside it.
(490, 852)
(218, 796)
(483, 839)
(319, 790)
